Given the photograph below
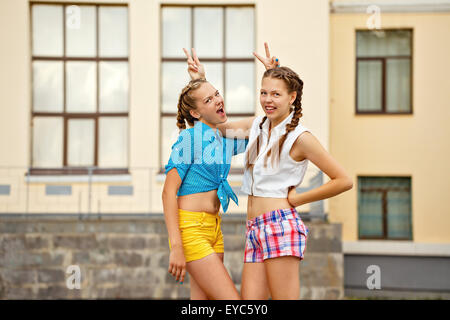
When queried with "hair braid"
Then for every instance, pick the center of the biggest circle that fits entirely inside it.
(186, 102)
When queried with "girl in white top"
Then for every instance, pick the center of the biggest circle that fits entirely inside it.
(277, 155)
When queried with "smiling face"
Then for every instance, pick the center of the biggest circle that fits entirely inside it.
(210, 106)
(275, 99)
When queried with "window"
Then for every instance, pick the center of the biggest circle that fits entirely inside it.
(80, 88)
(223, 37)
(383, 71)
(384, 208)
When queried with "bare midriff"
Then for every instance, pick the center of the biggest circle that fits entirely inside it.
(257, 206)
(200, 202)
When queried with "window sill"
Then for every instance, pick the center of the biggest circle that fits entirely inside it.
(392, 247)
(66, 175)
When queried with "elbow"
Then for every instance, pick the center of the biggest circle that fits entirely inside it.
(347, 184)
(167, 194)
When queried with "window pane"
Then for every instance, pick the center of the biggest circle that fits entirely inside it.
(240, 89)
(81, 86)
(176, 31)
(170, 134)
(113, 24)
(370, 214)
(369, 85)
(398, 85)
(174, 79)
(47, 142)
(47, 38)
(208, 32)
(239, 32)
(47, 86)
(80, 31)
(113, 142)
(113, 86)
(383, 43)
(81, 142)
(214, 71)
(399, 214)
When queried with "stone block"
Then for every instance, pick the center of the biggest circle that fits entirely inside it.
(128, 259)
(17, 277)
(51, 275)
(130, 243)
(84, 242)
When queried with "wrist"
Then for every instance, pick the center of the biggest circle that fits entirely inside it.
(298, 200)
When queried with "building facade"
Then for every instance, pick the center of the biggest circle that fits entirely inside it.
(88, 104)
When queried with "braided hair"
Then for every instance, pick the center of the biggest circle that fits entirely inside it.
(293, 83)
(186, 102)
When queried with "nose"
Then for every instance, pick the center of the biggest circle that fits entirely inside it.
(218, 99)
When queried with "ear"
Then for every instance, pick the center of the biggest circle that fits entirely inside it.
(293, 97)
(194, 114)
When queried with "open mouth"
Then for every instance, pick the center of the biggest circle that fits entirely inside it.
(221, 111)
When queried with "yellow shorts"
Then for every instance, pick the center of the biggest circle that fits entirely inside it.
(200, 233)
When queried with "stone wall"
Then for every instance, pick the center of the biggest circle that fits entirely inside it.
(127, 257)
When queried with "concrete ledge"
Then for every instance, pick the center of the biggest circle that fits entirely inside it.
(386, 6)
(396, 248)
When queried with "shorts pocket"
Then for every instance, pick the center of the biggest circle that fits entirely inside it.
(301, 227)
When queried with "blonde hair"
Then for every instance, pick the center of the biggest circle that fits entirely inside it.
(186, 102)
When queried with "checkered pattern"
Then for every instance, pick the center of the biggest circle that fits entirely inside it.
(275, 234)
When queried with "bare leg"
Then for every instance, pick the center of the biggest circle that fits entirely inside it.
(212, 278)
(196, 292)
(254, 284)
(283, 277)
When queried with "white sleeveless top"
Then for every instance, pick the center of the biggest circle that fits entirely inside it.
(273, 181)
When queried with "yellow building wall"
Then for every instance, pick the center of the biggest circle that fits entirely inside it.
(297, 32)
(415, 145)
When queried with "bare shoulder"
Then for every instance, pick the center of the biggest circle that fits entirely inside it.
(305, 142)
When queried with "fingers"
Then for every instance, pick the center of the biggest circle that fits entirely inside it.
(259, 57)
(188, 56)
(183, 273)
(195, 57)
(177, 271)
(266, 47)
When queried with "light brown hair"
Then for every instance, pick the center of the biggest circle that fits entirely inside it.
(293, 83)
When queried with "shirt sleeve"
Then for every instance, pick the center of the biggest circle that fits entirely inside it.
(181, 155)
(239, 146)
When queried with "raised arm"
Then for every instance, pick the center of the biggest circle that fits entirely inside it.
(236, 129)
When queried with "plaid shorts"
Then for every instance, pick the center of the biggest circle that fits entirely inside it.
(275, 234)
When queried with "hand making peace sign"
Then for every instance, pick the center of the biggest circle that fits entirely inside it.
(268, 62)
(195, 68)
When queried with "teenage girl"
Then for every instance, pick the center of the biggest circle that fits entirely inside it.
(195, 188)
(275, 163)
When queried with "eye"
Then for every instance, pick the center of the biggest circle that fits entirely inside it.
(276, 94)
(263, 93)
(217, 94)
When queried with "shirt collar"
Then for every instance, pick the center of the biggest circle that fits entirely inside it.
(280, 129)
(199, 125)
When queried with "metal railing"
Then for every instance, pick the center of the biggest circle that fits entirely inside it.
(134, 194)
